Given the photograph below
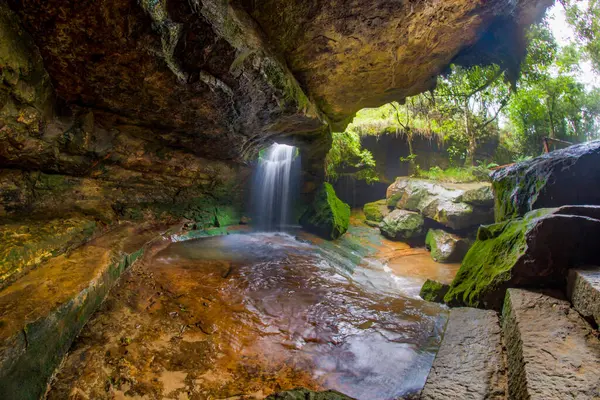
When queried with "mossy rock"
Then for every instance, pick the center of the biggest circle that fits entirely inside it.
(305, 394)
(533, 251)
(327, 216)
(446, 247)
(376, 211)
(434, 291)
(403, 225)
(564, 177)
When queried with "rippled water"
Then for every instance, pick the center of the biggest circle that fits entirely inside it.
(350, 326)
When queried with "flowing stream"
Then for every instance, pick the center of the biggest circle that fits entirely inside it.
(244, 315)
(275, 186)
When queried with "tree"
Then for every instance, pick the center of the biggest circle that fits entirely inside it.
(585, 19)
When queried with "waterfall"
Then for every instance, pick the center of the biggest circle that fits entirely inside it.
(275, 187)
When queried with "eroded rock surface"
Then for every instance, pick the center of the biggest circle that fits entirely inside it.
(552, 352)
(470, 361)
(456, 206)
(583, 289)
(568, 176)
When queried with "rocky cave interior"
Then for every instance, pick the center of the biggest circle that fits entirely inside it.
(130, 126)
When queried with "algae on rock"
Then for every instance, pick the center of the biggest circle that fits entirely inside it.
(535, 250)
(376, 210)
(327, 216)
(403, 225)
(433, 291)
(446, 247)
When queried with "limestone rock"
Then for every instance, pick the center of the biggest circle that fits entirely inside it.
(27, 243)
(403, 225)
(552, 352)
(457, 206)
(433, 291)
(583, 289)
(446, 247)
(42, 312)
(376, 211)
(535, 250)
(327, 216)
(470, 362)
(562, 177)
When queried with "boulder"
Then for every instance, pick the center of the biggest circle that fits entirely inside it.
(456, 206)
(327, 216)
(376, 211)
(403, 225)
(568, 176)
(446, 247)
(305, 394)
(434, 291)
(535, 250)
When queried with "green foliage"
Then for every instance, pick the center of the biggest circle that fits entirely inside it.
(452, 175)
(347, 157)
(585, 18)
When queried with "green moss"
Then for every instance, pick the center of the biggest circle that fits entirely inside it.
(375, 211)
(394, 199)
(433, 291)
(488, 264)
(516, 194)
(327, 216)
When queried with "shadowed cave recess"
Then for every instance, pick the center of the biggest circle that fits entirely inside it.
(168, 230)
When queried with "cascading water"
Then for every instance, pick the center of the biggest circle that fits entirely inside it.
(275, 187)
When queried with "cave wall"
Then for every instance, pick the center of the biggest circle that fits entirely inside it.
(114, 107)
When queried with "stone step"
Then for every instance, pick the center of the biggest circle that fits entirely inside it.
(552, 352)
(470, 363)
(42, 312)
(583, 289)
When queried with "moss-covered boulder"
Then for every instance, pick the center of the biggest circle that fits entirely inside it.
(434, 291)
(403, 225)
(568, 176)
(376, 211)
(456, 206)
(305, 394)
(327, 216)
(446, 247)
(535, 250)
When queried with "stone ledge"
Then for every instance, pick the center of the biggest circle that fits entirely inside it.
(551, 350)
(583, 289)
(470, 362)
(42, 313)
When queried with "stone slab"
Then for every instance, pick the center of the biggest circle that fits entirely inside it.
(552, 352)
(470, 362)
(42, 312)
(583, 289)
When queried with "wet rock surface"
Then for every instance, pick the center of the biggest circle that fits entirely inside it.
(552, 352)
(434, 291)
(446, 247)
(568, 176)
(251, 316)
(403, 225)
(43, 311)
(535, 250)
(470, 362)
(455, 206)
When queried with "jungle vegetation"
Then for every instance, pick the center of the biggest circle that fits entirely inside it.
(474, 106)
